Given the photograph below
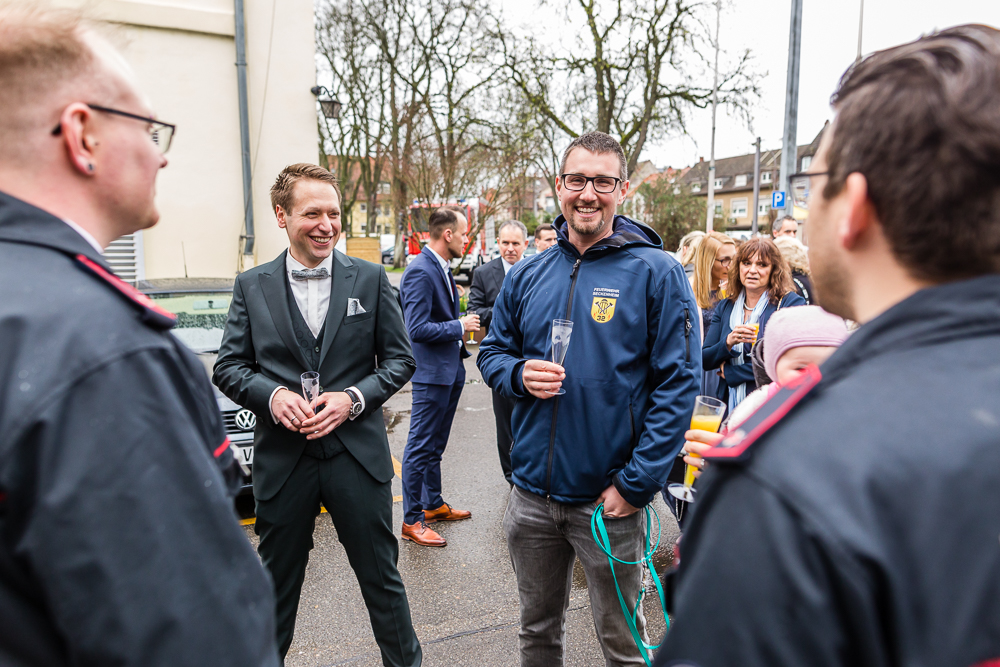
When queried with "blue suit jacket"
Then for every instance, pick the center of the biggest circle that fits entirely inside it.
(432, 321)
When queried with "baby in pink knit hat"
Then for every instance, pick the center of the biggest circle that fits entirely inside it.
(796, 338)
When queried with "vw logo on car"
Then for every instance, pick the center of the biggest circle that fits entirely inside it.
(245, 420)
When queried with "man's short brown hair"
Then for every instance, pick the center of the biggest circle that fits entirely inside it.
(446, 217)
(283, 190)
(42, 51)
(921, 122)
(544, 227)
(598, 143)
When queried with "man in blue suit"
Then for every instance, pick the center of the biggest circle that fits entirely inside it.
(430, 306)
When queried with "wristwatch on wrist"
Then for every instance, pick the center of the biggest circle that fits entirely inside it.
(356, 406)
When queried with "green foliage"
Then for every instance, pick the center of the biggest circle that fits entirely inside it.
(531, 220)
(670, 210)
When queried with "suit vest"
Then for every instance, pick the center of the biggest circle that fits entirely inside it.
(330, 445)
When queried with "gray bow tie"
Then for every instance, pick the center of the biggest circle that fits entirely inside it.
(310, 274)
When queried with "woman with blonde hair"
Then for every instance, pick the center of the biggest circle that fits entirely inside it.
(711, 269)
(798, 260)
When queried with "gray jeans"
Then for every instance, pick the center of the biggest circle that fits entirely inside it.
(543, 538)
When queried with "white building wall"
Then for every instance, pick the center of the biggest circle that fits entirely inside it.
(184, 55)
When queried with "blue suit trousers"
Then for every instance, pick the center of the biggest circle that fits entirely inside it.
(430, 425)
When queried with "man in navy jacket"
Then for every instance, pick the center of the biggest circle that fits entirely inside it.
(430, 307)
(630, 375)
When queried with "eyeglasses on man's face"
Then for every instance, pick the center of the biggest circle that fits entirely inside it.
(161, 133)
(725, 261)
(800, 185)
(602, 184)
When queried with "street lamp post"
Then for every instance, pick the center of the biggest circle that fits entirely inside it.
(328, 103)
(715, 103)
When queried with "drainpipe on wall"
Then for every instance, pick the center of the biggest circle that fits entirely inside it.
(241, 80)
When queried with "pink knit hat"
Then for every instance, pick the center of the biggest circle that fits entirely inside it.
(800, 326)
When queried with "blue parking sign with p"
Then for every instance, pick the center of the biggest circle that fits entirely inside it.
(778, 199)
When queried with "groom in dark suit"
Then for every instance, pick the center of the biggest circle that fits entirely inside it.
(315, 309)
(486, 281)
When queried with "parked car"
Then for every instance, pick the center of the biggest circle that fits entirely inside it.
(467, 265)
(202, 306)
(387, 255)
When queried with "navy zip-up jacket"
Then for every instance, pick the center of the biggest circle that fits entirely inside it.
(632, 365)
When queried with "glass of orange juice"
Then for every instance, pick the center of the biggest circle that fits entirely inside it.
(707, 416)
(756, 330)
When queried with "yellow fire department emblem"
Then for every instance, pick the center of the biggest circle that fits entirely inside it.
(603, 309)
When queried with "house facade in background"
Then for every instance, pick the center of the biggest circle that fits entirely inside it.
(734, 186)
(184, 55)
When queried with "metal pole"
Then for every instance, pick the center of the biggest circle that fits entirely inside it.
(789, 150)
(756, 189)
(861, 28)
(715, 104)
(241, 84)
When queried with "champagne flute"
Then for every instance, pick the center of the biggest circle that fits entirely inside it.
(561, 332)
(310, 388)
(707, 416)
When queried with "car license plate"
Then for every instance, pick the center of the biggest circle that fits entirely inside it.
(245, 455)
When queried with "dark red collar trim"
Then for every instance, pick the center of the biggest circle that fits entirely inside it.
(760, 422)
(152, 313)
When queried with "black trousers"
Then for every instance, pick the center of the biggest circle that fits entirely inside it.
(503, 410)
(361, 509)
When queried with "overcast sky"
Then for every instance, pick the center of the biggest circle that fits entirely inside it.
(829, 46)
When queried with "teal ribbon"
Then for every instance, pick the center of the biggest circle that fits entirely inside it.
(600, 534)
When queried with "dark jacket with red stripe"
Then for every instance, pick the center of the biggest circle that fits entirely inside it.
(862, 529)
(118, 543)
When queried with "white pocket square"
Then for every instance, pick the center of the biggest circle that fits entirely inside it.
(354, 307)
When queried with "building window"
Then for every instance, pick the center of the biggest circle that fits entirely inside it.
(741, 181)
(718, 183)
(806, 161)
(364, 208)
(765, 177)
(718, 209)
(738, 208)
(677, 190)
(763, 208)
(696, 187)
(383, 188)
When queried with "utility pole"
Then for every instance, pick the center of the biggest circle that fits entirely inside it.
(756, 189)
(715, 104)
(789, 149)
(861, 29)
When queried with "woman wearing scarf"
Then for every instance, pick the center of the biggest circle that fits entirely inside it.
(759, 284)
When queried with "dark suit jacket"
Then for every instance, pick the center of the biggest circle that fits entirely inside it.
(368, 351)
(432, 321)
(486, 282)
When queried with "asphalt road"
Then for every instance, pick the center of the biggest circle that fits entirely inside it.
(463, 598)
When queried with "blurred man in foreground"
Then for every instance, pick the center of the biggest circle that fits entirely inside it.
(118, 542)
(860, 528)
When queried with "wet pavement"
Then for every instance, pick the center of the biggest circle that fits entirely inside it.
(463, 598)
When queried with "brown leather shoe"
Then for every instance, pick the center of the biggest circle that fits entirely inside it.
(422, 535)
(446, 513)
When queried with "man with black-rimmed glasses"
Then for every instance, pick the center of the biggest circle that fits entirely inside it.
(630, 378)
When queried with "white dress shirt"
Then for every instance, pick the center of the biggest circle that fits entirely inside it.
(507, 266)
(311, 296)
(85, 234)
(446, 266)
(313, 300)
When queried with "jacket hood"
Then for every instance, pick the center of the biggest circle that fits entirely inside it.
(933, 316)
(625, 233)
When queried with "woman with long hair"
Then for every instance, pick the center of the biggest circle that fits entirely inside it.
(798, 261)
(759, 283)
(711, 269)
